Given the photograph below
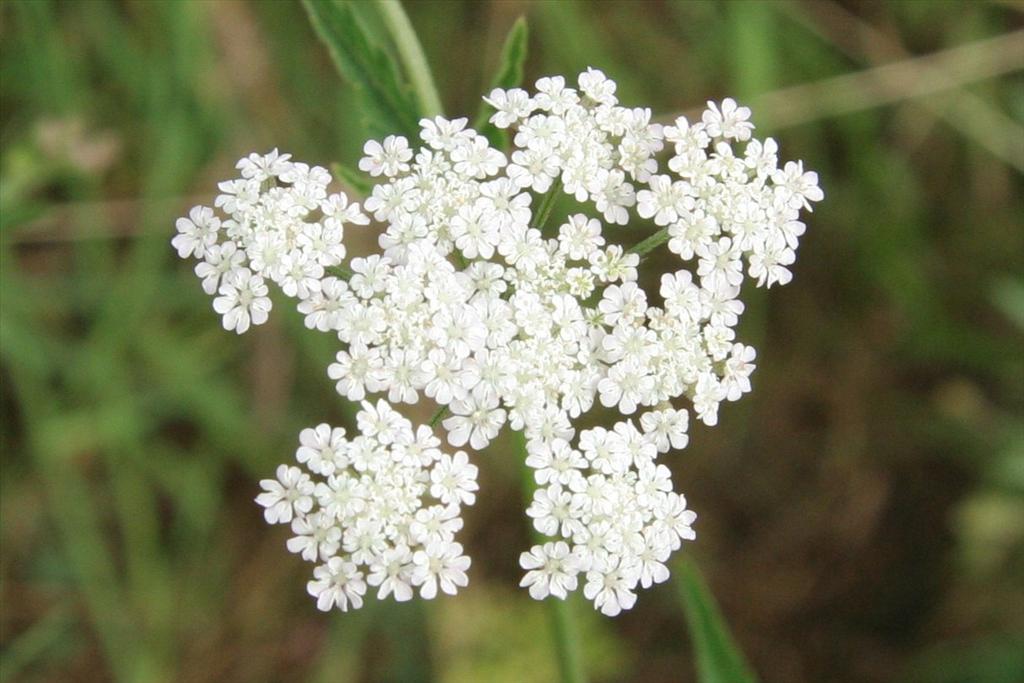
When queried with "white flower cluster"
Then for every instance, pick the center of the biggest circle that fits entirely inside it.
(380, 509)
(476, 303)
(718, 205)
(614, 504)
(281, 225)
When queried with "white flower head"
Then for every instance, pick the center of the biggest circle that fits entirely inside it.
(491, 303)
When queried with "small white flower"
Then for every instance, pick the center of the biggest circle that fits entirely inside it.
(392, 573)
(598, 87)
(440, 565)
(674, 517)
(453, 479)
(509, 105)
(338, 211)
(355, 371)
(719, 263)
(476, 419)
(708, 394)
(337, 583)
(553, 96)
(610, 584)
(738, 369)
(626, 386)
(551, 570)
(800, 187)
(443, 134)
(692, 231)
(555, 462)
(437, 523)
(665, 201)
(218, 261)
(260, 167)
(197, 233)
(381, 422)
(666, 428)
(388, 158)
(289, 494)
(768, 263)
(322, 449)
(580, 236)
(729, 121)
(300, 275)
(554, 512)
(627, 303)
(477, 159)
(654, 550)
(243, 300)
(475, 231)
(317, 536)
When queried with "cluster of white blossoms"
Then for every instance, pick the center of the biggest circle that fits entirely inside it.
(281, 225)
(380, 509)
(501, 316)
(613, 507)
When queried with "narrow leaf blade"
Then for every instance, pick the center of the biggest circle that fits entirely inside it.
(386, 99)
(719, 659)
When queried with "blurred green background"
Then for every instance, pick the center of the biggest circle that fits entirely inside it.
(861, 513)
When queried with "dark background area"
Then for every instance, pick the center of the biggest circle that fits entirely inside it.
(861, 513)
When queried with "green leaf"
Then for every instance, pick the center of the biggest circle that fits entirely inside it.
(356, 180)
(719, 659)
(410, 52)
(509, 75)
(386, 100)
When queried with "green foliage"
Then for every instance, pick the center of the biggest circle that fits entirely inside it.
(508, 75)
(385, 100)
(356, 180)
(719, 659)
(410, 52)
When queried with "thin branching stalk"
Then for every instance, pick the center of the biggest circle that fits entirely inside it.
(547, 204)
(339, 271)
(438, 416)
(650, 244)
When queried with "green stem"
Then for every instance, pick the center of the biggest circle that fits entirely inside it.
(570, 663)
(441, 412)
(410, 52)
(563, 627)
(547, 203)
(649, 244)
(340, 272)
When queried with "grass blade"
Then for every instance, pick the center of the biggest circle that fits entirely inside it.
(719, 659)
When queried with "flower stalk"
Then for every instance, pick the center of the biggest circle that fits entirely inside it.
(547, 204)
(650, 243)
